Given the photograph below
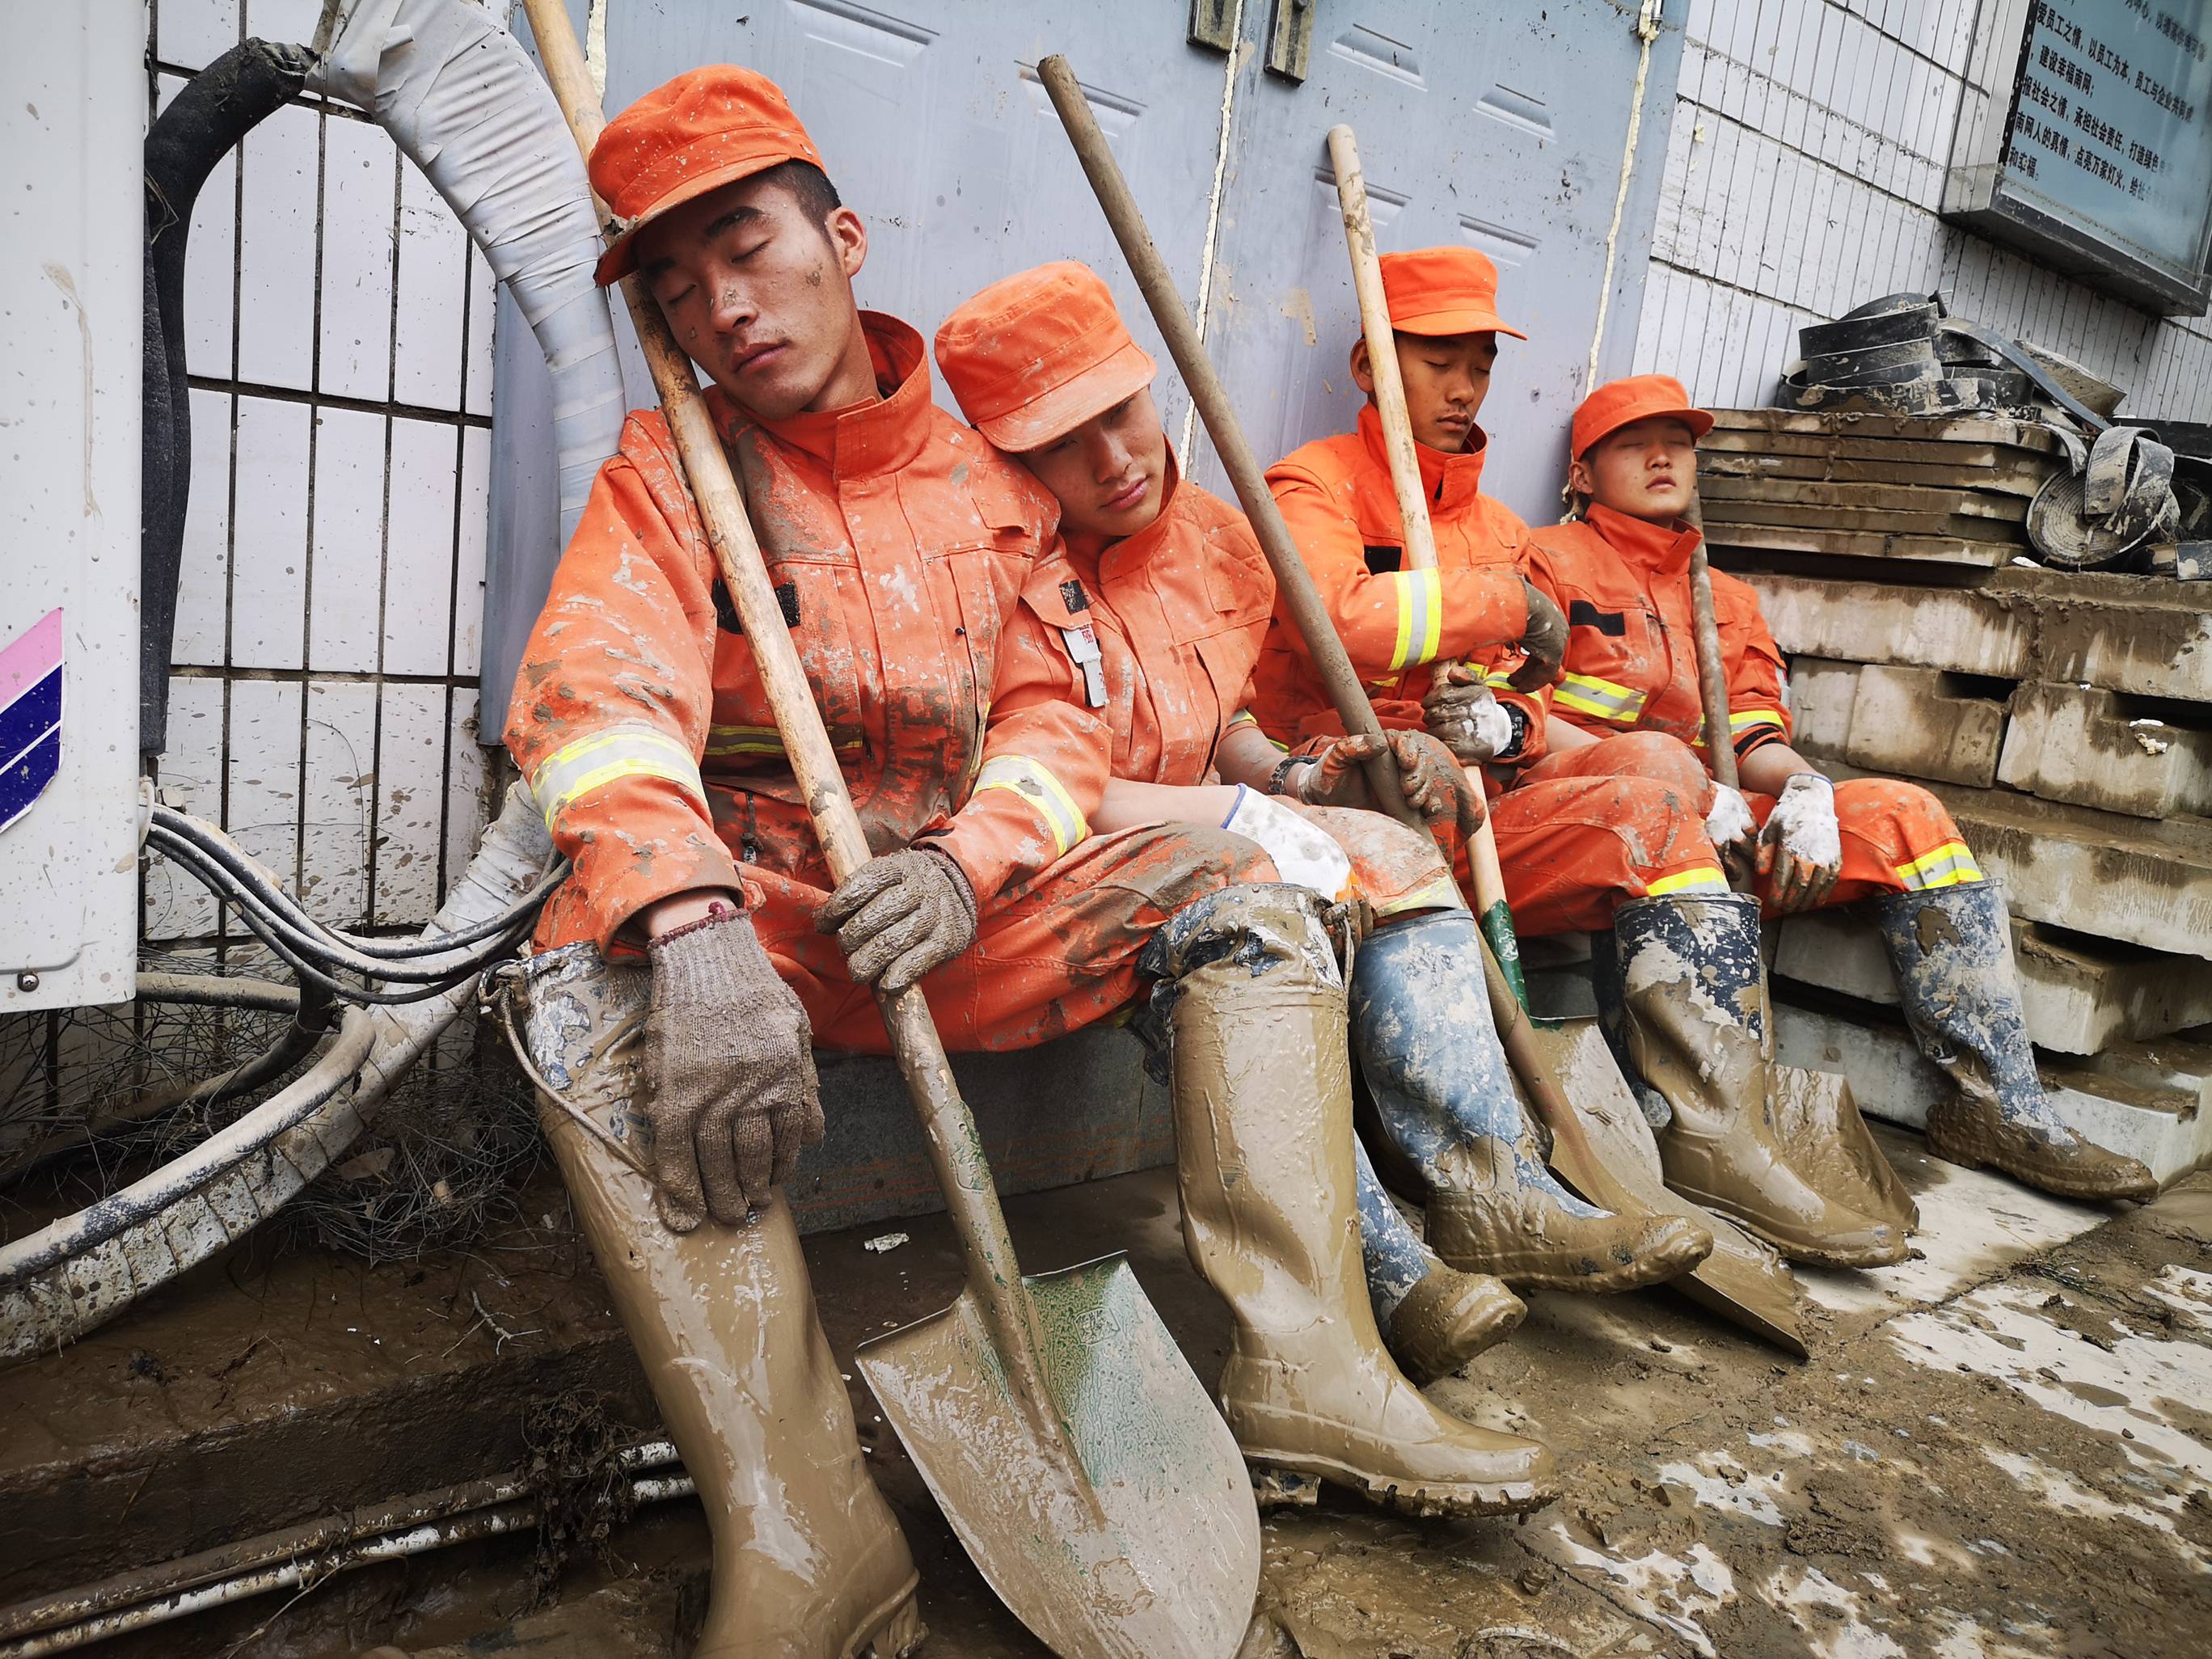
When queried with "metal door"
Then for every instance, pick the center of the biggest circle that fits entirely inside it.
(1497, 124)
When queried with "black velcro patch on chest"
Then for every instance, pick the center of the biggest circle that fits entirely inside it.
(1072, 596)
(1581, 613)
(1383, 560)
(726, 611)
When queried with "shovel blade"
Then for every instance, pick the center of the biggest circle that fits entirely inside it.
(1614, 1162)
(1150, 1548)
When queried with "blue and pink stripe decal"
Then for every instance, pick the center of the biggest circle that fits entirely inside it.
(30, 716)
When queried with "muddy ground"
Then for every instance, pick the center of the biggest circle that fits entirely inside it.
(2001, 1448)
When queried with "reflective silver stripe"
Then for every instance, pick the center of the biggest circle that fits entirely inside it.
(1948, 866)
(1589, 695)
(575, 769)
(1035, 783)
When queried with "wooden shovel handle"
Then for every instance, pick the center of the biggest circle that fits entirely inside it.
(955, 1149)
(1293, 581)
(1712, 675)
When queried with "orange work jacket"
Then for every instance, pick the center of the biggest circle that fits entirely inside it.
(1336, 496)
(1632, 637)
(1179, 611)
(899, 543)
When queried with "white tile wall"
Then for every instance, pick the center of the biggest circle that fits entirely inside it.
(338, 333)
(1805, 161)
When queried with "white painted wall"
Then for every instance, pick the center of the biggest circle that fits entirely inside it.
(1803, 170)
(340, 346)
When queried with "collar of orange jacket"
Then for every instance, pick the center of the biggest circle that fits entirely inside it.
(1449, 482)
(1090, 551)
(877, 434)
(1662, 548)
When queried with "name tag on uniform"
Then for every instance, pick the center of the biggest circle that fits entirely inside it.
(1083, 650)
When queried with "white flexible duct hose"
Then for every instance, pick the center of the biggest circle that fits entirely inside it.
(458, 94)
(75, 1274)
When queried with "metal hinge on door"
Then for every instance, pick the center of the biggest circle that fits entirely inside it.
(1290, 38)
(1213, 23)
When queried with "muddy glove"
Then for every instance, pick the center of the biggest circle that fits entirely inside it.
(1462, 713)
(1801, 849)
(900, 915)
(1544, 640)
(1735, 834)
(1434, 783)
(729, 1074)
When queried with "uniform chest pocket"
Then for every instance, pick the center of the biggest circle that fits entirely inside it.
(817, 599)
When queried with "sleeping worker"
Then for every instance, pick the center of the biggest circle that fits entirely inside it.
(697, 951)
(1172, 585)
(1629, 705)
(1502, 639)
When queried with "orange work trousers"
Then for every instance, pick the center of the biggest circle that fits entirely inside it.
(1396, 869)
(1052, 955)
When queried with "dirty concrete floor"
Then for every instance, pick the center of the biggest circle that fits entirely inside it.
(2002, 1449)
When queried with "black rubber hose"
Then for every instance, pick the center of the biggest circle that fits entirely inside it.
(216, 108)
(318, 1014)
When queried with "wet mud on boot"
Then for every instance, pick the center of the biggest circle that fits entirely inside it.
(1250, 996)
(1434, 1319)
(1445, 1107)
(1689, 989)
(1952, 949)
(808, 1563)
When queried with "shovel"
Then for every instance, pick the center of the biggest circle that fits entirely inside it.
(1610, 1160)
(1070, 1444)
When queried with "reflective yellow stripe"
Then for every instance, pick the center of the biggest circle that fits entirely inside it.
(1241, 717)
(620, 751)
(1948, 866)
(1753, 717)
(1442, 894)
(1421, 616)
(1705, 879)
(1037, 785)
(756, 740)
(1586, 693)
(1497, 679)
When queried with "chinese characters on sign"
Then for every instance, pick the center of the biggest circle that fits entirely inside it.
(2109, 123)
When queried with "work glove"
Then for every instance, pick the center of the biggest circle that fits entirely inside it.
(1801, 850)
(1434, 783)
(1462, 713)
(900, 915)
(729, 1074)
(1544, 640)
(1735, 834)
(1303, 853)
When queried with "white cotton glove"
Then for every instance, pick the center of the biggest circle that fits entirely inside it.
(1735, 834)
(1462, 713)
(1801, 848)
(1304, 853)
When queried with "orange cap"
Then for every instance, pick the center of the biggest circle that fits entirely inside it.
(1639, 398)
(1443, 290)
(1035, 355)
(707, 128)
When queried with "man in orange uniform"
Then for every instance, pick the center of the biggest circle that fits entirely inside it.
(1621, 573)
(684, 964)
(1467, 1148)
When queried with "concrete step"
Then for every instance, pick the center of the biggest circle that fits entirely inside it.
(1912, 722)
(2149, 1103)
(2090, 747)
(2149, 636)
(2079, 995)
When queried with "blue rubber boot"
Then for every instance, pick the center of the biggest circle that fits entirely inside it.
(1434, 1318)
(1952, 949)
(1421, 1028)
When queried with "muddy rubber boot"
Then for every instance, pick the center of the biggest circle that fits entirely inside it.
(1952, 949)
(1444, 1099)
(1434, 1319)
(808, 1563)
(1262, 1089)
(1686, 993)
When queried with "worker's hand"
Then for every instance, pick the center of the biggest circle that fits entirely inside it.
(1801, 850)
(1462, 715)
(1434, 783)
(900, 915)
(729, 1074)
(1544, 640)
(1735, 836)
